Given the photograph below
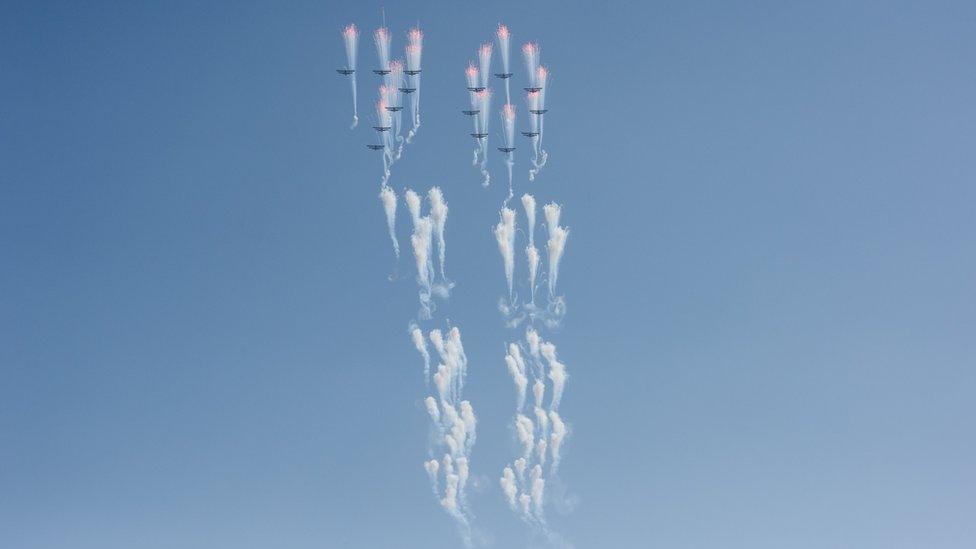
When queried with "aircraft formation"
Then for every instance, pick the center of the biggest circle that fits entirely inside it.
(530, 360)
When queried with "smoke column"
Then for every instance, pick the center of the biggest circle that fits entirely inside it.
(350, 36)
(508, 119)
(385, 121)
(556, 244)
(530, 52)
(503, 41)
(414, 50)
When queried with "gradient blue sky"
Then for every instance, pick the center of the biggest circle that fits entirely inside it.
(771, 275)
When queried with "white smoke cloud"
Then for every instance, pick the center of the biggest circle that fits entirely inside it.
(438, 213)
(505, 236)
(388, 197)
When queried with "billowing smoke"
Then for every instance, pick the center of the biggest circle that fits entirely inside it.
(388, 198)
(420, 239)
(425, 229)
(555, 246)
(453, 424)
(505, 236)
(350, 36)
(539, 440)
(414, 51)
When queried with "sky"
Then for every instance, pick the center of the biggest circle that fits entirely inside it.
(771, 309)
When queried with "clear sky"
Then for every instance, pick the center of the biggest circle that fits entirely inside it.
(770, 279)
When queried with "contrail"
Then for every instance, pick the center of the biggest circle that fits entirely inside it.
(505, 236)
(350, 36)
(504, 37)
(414, 50)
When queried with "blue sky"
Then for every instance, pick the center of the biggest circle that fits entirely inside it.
(770, 275)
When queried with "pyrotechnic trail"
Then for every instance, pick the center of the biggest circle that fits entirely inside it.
(388, 198)
(381, 37)
(471, 75)
(508, 121)
(540, 441)
(350, 35)
(504, 37)
(393, 84)
(414, 50)
(453, 425)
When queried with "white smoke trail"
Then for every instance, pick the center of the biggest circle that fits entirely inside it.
(542, 82)
(438, 213)
(414, 51)
(556, 245)
(508, 119)
(539, 440)
(505, 236)
(381, 37)
(385, 122)
(388, 198)
(552, 211)
(484, 63)
(394, 83)
(484, 107)
(413, 205)
(530, 52)
(504, 38)
(471, 75)
(421, 344)
(350, 36)
(528, 203)
(420, 240)
(456, 430)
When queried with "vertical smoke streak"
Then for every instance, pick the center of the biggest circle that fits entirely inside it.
(394, 83)
(420, 240)
(528, 203)
(542, 82)
(388, 198)
(530, 53)
(557, 373)
(503, 46)
(484, 107)
(421, 344)
(508, 119)
(381, 37)
(557, 437)
(471, 74)
(438, 213)
(556, 244)
(484, 63)
(414, 50)
(385, 121)
(350, 36)
(532, 99)
(552, 211)
(505, 236)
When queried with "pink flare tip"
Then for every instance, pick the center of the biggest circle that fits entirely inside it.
(350, 31)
